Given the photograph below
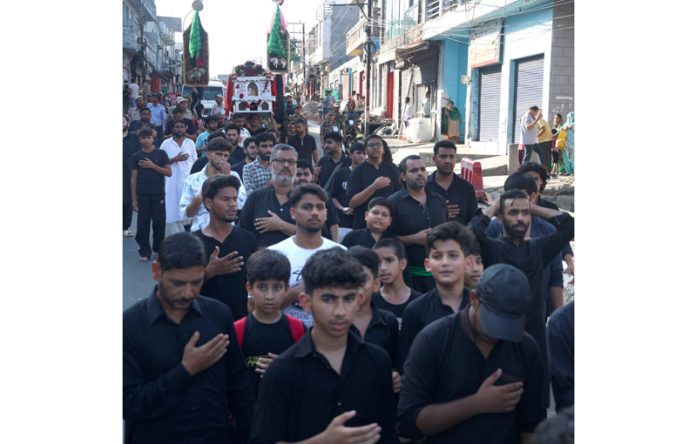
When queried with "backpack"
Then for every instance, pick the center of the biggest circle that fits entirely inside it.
(296, 329)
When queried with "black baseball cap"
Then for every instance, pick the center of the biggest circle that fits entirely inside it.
(504, 295)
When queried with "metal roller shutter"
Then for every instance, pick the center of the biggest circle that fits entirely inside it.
(529, 86)
(489, 104)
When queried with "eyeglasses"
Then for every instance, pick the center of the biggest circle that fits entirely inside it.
(374, 145)
(290, 162)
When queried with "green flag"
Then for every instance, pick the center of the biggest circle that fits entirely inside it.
(195, 37)
(275, 42)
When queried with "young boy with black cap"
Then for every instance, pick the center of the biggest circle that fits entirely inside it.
(476, 376)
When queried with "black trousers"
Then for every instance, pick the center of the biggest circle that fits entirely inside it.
(127, 215)
(150, 209)
(546, 150)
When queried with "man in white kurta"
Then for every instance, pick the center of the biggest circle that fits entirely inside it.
(182, 154)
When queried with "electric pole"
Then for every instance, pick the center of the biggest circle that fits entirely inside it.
(368, 65)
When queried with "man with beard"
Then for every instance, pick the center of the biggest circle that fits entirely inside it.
(305, 174)
(191, 201)
(415, 211)
(332, 159)
(183, 372)
(130, 147)
(143, 122)
(304, 143)
(531, 256)
(308, 209)
(232, 132)
(267, 211)
(226, 246)
(553, 273)
(182, 155)
(239, 120)
(177, 114)
(134, 113)
(250, 152)
(459, 195)
(254, 123)
(257, 173)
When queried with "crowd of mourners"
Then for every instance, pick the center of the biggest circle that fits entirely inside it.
(337, 299)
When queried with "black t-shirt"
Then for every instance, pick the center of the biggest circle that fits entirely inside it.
(398, 310)
(362, 177)
(460, 193)
(149, 181)
(257, 205)
(337, 189)
(260, 339)
(418, 314)
(361, 236)
(304, 146)
(447, 365)
(328, 166)
(257, 131)
(239, 167)
(331, 219)
(130, 147)
(237, 156)
(229, 289)
(409, 217)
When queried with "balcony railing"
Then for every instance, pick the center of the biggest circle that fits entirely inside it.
(355, 38)
(413, 35)
(435, 8)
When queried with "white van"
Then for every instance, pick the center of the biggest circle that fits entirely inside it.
(207, 98)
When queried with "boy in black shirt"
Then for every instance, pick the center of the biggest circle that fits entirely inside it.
(394, 295)
(373, 324)
(476, 376)
(378, 219)
(330, 387)
(148, 166)
(448, 249)
(266, 332)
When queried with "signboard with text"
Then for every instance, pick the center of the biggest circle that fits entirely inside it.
(484, 48)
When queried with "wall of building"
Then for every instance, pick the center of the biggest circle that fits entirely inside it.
(453, 64)
(562, 81)
(343, 19)
(524, 35)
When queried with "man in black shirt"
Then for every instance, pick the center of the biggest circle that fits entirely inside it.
(249, 149)
(449, 246)
(304, 144)
(394, 295)
(178, 114)
(476, 376)
(130, 147)
(376, 177)
(254, 125)
(333, 157)
(232, 132)
(148, 167)
(183, 372)
(267, 210)
(338, 185)
(227, 246)
(330, 387)
(144, 122)
(415, 211)
(531, 256)
(459, 195)
(561, 338)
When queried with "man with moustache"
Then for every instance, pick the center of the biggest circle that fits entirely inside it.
(333, 157)
(308, 203)
(226, 246)
(232, 132)
(257, 174)
(143, 121)
(532, 256)
(415, 211)
(182, 154)
(250, 152)
(184, 376)
(459, 195)
(267, 211)
(191, 203)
